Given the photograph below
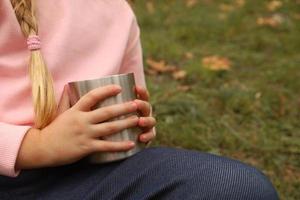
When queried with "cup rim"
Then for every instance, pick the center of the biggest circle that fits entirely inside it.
(104, 77)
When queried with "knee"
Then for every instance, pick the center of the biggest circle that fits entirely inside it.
(210, 176)
(235, 180)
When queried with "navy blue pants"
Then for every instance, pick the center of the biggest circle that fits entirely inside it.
(154, 173)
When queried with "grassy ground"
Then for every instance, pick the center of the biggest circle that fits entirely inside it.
(250, 112)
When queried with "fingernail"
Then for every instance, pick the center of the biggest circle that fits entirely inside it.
(132, 144)
(134, 104)
(141, 121)
(117, 87)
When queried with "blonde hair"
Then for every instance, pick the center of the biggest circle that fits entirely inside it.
(43, 95)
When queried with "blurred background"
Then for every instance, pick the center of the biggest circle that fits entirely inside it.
(224, 78)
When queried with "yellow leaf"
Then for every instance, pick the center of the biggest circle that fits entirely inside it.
(226, 7)
(191, 3)
(274, 5)
(216, 63)
(180, 74)
(272, 21)
(160, 66)
(184, 88)
(240, 3)
(151, 72)
(189, 55)
(150, 7)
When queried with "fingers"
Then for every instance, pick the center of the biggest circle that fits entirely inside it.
(109, 128)
(144, 107)
(110, 146)
(108, 112)
(95, 96)
(147, 122)
(142, 93)
(147, 137)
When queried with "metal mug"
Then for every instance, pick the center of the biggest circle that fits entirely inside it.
(78, 89)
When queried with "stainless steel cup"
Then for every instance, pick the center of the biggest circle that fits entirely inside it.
(126, 81)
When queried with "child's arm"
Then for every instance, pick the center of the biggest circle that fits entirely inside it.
(74, 133)
(32, 154)
(11, 136)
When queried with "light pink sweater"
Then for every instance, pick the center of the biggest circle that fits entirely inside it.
(80, 40)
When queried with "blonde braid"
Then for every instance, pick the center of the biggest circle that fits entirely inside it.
(43, 95)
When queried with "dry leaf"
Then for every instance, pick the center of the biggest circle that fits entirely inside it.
(257, 95)
(272, 21)
(184, 88)
(171, 68)
(274, 5)
(150, 7)
(179, 75)
(160, 66)
(226, 7)
(151, 72)
(189, 55)
(240, 3)
(216, 63)
(191, 3)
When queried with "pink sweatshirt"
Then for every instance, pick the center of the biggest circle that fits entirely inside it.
(80, 40)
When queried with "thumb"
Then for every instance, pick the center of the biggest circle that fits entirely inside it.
(64, 103)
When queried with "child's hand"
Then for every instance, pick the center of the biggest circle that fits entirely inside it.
(147, 122)
(75, 132)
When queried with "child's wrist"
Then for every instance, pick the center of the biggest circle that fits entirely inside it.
(32, 153)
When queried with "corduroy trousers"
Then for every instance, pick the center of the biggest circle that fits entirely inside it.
(154, 173)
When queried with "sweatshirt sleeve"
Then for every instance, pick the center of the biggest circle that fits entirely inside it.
(133, 58)
(11, 137)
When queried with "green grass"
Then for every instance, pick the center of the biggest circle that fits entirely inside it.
(250, 113)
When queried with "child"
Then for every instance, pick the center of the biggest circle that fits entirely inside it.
(41, 152)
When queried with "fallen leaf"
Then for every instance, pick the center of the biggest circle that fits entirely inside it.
(179, 75)
(150, 7)
(160, 66)
(189, 55)
(240, 3)
(191, 3)
(184, 88)
(273, 21)
(226, 7)
(172, 68)
(216, 63)
(151, 72)
(274, 5)
(257, 95)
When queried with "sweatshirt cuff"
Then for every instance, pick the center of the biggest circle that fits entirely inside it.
(11, 137)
